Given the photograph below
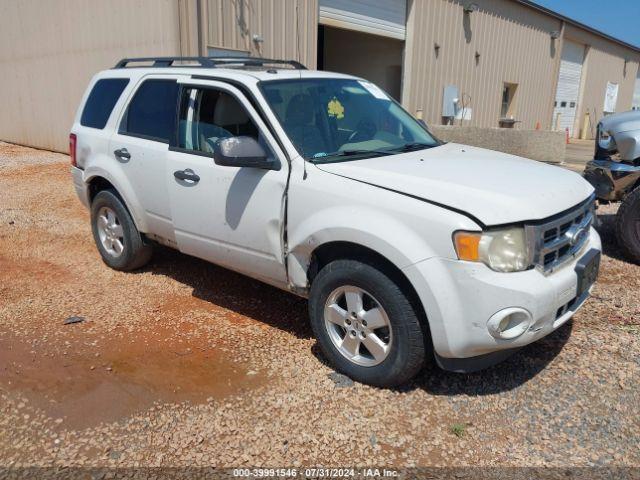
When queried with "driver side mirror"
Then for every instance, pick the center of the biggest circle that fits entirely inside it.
(242, 152)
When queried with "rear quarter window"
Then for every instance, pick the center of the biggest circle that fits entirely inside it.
(103, 97)
(151, 114)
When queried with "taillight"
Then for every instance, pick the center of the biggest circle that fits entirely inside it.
(72, 149)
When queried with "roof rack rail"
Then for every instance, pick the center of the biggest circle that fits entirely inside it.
(209, 62)
(165, 61)
(256, 62)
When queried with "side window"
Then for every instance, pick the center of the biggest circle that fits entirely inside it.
(103, 97)
(152, 111)
(208, 115)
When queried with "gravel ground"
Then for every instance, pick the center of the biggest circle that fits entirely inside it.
(185, 363)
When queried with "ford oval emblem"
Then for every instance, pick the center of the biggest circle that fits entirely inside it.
(576, 234)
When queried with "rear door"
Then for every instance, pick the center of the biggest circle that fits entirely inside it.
(231, 216)
(141, 143)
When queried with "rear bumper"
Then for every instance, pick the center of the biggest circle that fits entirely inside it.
(82, 190)
(460, 297)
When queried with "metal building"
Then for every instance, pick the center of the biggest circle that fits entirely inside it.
(507, 63)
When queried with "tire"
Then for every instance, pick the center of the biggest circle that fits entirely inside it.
(404, 354)
(628, 225)
(112, 225)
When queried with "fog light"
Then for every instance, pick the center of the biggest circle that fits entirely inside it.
(509, 323)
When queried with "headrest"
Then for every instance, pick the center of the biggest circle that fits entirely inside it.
(228, 111)
(300, 110)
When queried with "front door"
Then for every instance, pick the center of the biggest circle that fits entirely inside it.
(230, 216)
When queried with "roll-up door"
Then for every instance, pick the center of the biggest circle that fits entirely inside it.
(568, 90)
(378, 17)
(636, 93)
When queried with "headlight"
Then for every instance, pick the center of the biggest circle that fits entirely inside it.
(606, 141)
(501, 250)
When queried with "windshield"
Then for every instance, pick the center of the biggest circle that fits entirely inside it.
(333, 119)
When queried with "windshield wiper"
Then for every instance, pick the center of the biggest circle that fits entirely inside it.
(352, 153)
(410, 147)
(349, 153)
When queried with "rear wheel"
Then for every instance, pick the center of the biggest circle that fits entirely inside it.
(118, 240)
(628, 225)
(365, 324)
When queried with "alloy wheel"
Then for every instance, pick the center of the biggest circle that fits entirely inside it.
(110, 231)
(358, 326)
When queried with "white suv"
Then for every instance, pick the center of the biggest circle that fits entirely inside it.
(320, 184)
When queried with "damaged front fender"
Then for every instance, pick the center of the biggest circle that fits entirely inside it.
(619, 133)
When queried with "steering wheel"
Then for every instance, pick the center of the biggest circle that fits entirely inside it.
(365, 130)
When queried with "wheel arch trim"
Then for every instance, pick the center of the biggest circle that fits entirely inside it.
(349, 250)
(126, 194)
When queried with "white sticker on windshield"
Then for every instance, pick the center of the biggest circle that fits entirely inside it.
(374, 90)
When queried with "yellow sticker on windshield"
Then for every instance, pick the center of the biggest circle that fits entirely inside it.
(335, 108)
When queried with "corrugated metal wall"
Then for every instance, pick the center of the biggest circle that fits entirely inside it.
(289, 28)
(49, 51)
(605, 62)
(514, 46)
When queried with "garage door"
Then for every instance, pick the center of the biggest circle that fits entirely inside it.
(566, 103)
(379, 17)
(636, 93)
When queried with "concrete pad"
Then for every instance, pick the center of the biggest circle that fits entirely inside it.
(578, 153)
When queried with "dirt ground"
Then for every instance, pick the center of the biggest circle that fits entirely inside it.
(184, 363)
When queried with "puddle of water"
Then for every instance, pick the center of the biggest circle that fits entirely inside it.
(128, 376)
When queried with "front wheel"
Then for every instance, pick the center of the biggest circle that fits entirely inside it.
(628, 225)
(365, 324)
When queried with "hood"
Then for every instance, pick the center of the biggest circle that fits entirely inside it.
(624, 129)
(621, 122)
(495, 188)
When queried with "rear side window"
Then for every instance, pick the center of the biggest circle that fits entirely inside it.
(152, 111)
(104, 95)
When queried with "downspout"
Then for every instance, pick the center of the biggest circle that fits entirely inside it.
(199, 26)
(406, 83)
(180, 29)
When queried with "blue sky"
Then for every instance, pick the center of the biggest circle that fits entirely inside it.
(618, 18)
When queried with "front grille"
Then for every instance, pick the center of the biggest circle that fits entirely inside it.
(559, 239)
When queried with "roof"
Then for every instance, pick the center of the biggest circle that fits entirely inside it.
(531, 4)
(284, 74)
(240, 68)
(243, 75)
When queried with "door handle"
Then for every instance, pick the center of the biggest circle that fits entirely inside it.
(187, 175)
(122, 154)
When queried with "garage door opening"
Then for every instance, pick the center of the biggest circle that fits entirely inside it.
(568, 92)
(374, 57)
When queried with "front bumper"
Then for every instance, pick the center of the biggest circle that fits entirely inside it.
(460, 297)
(611, 180)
